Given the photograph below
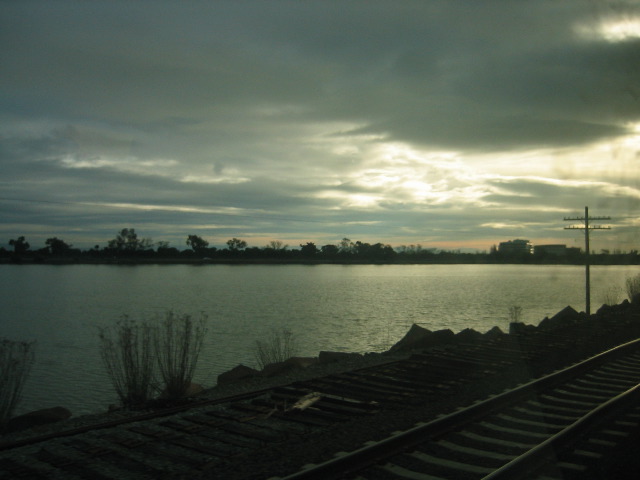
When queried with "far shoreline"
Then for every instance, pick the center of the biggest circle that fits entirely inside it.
(460, 259)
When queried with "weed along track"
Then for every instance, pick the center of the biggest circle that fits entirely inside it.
(275, 431)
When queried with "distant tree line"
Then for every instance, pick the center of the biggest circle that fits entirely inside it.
(128, 246)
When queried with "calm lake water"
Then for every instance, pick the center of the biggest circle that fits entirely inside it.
(360, 308)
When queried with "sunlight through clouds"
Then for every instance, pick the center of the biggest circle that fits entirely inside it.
(404, 174)
(173, 208)
(204, 179)
(511, 225)
(613, 29)
(620, 30)
(397, 122)
(130, 164)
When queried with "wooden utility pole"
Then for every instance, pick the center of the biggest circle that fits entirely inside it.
(587, 227)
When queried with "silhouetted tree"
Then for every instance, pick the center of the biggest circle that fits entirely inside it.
(329, 250)
(276, 245)
(20, 245)
(309, 249)
(197, 244)
(410, 249)
(346, 246)
(164, 250)
(376, 252)
(57, 246)
(235, 244)
(276, 248)
(127, 241)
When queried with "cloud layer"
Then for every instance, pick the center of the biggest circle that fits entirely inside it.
(449, 124)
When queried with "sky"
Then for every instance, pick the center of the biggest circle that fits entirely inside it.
(448, 124)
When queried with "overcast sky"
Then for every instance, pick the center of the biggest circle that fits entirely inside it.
(450, 124)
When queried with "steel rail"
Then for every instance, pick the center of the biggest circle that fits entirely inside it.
(344, 464)
(537, 457)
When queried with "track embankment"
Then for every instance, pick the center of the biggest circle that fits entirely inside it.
(275, 431)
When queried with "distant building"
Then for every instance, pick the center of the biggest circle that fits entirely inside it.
(558, 250)
(515, 247)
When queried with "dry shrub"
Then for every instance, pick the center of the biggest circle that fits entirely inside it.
(278, 347)
(515, 314)
(127, 354)
(16, 359)
(633, 286)
(611, 296)
(178, 343)
(135, 354)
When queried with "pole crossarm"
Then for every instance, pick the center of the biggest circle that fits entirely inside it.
(591, 227)
(586, 224)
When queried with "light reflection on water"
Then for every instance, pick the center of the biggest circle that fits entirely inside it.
(329, 307)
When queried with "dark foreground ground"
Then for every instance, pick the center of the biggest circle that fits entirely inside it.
(610, 327)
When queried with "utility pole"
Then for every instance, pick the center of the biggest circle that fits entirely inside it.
(587, 228)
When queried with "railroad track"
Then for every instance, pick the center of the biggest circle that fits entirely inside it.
(208, 438)
(561, 426)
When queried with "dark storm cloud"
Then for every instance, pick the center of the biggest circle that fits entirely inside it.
(452, 74)
(486, 75)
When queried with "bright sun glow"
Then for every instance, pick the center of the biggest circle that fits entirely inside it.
(621, 30)
(360, 200)
(612, 30)
(634, 128)
(399, 173)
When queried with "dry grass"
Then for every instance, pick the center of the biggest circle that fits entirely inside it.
(16, 359)
(279, 346)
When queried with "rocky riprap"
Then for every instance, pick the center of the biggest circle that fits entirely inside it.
(610, 326)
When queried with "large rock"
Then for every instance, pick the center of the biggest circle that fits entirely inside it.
(293, 363)
(329, 357)
(418, 337)
(566, 317)
(277, 368)
(519, 328)
(302, 362)
(414, 336)
(620, 309)
(237, 374)
(37, 418)
(606, 310)
(494, 333)
(192, 390)
(469, 335)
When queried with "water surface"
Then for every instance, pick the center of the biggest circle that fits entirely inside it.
(329, 307)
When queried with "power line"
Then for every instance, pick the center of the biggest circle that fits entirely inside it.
(587, 228)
